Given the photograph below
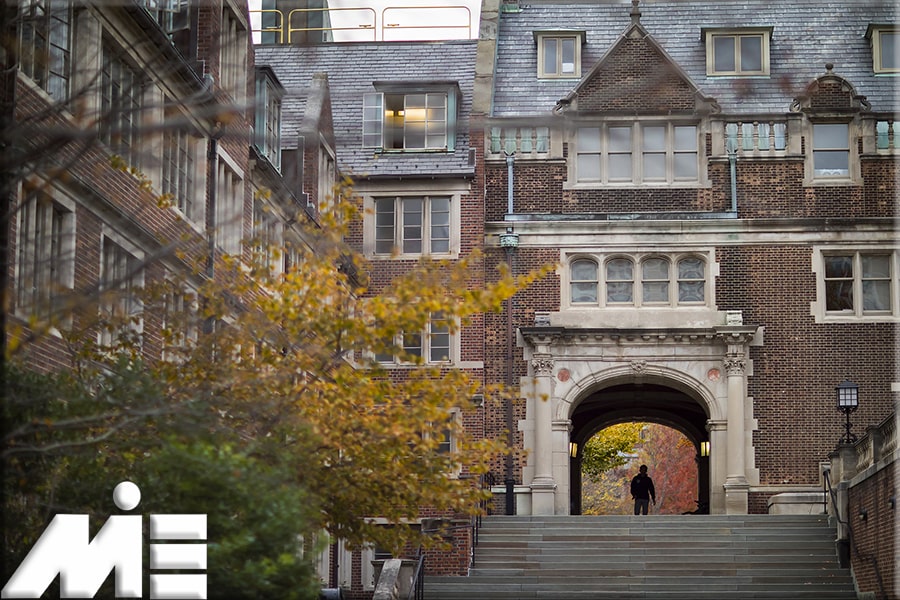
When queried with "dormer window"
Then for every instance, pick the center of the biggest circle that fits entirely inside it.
(559, 54)
(884, 48)
(739, 53)
(267, 127)
(419, 120)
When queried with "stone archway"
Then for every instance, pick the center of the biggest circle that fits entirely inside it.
(710, 366)
(644, 401)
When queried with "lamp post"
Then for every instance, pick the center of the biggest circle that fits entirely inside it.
(847, 395)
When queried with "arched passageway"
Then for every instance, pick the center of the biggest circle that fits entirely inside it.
(638, 401)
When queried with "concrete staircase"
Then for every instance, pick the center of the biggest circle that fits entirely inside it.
(784, 557)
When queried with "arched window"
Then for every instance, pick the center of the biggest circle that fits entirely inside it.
(584, 282)
(691, 280)
(620, 281)
(655, 280)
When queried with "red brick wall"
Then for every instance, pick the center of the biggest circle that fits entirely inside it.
(875, 538)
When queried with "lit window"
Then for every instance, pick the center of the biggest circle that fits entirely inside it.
(859, 283)
(45, 34)
(584, 281)
(121, 91)
(831, 150)
(559, 56)
(412, 225)
(643, 153)
(885, 57)
(410, 121)
(737, 53)
(46, 256)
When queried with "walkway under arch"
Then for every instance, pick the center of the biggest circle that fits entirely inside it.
(637, 401)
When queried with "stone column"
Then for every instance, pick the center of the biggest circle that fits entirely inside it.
(736, 486)
(543, 488)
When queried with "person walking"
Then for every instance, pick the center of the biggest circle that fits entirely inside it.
(642, 491)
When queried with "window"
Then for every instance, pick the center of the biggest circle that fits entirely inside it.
(179, 166)
(233, 56)
(584, 281)
(121, 278)
(559, 56)
(433, 345)
(46, 44)
(229, 208)
(268, 116)
(121, 91)
(181, 322)
(638, 280)
(737, 53)
(46, 256)
(885, 51)
(645, 153)
(412, 225)
(410, 121)
(173, 16)
(859, 283)
(831, 150)
(267, 236)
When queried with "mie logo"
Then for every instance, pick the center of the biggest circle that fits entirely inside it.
(83, 565)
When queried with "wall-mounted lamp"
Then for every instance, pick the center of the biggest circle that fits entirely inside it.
(847, 395)
(863, 514)
(573, 449)
(704, 448)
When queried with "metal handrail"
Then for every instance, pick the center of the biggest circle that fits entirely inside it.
(417, 589)
(850, 537)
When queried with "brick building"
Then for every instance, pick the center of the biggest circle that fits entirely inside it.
(716, 184)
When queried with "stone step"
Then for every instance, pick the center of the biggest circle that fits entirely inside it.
(662, 557)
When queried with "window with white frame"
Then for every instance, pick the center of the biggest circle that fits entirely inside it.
(121, 277)
(45, 50)
(559, 55)
(737, 53)
(229, 208)
(181, 178)
(121, 103)
(173, 16)
(885, 49)
(418, 225)
(46, 257)
(638, 280)
(405, 120)
(433, 345)
(860, 283)
(648, 153)
(831, 150)
(267, 128)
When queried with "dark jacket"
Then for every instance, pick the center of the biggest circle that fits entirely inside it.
(642, 487)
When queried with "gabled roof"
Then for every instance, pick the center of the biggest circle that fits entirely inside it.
(352, 69)
(806, 34)
(662, 79)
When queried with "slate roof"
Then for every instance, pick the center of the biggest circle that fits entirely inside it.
(351, 69)
(806, 35)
